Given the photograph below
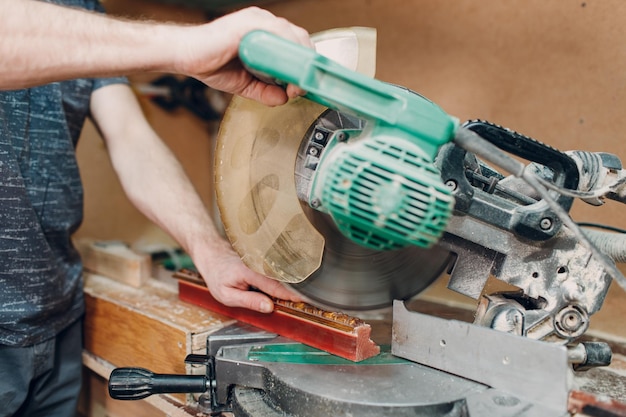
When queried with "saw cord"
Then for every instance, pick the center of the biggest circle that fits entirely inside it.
(604, 227)
(609, 239)
(611, 243)
(596, 193)
(472, 142)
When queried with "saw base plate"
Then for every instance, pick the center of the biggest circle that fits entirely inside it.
(381, 388)
(397, 388)
(276, 377)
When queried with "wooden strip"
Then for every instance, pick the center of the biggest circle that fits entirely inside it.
(353, 344)
(115, 260)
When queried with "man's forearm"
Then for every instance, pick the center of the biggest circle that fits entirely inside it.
(41, 42)
(151, 176)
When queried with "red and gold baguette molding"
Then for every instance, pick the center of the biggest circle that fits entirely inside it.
(335, 333)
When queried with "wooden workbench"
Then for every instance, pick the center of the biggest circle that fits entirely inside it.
(149, 327)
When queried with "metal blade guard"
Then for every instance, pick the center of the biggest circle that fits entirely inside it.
(379, 185)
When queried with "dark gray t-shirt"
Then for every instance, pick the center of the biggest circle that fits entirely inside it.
(41, 205)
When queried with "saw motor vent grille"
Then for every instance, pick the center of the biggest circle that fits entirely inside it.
(383, 194)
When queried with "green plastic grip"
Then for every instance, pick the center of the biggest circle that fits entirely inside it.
(389, 107)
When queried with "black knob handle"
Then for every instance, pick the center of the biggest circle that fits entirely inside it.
(138, 383)
(596, 354)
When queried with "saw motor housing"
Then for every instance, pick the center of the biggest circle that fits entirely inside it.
(381, 191)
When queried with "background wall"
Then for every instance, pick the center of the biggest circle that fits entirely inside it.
(551, 69)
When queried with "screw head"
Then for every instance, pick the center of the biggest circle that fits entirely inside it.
(546, 223)
(451, 184)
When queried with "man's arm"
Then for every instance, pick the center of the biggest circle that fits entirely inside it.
(156, 183)
(42, 42)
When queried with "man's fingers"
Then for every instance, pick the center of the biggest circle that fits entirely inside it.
(273, 95)
(275, 288)
(294, 91)
(270, 95)
(252, 300)
(258, 301)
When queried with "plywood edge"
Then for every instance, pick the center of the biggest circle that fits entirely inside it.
(156, 301)
(146, 327)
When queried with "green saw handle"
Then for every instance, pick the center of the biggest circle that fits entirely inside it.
(393, 110)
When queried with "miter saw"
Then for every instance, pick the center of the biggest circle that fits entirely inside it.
(362, 193)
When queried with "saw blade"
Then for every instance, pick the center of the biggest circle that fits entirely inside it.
(257, 158)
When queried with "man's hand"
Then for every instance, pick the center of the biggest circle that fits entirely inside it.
(210, 54)
(231, 282)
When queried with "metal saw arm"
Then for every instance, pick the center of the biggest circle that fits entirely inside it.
(501, 227)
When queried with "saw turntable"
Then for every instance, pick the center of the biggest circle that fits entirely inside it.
(359, 195)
